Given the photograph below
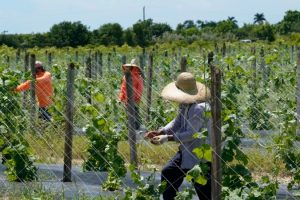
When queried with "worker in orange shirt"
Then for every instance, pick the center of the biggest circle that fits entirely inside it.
(43, 90)
(138, 86)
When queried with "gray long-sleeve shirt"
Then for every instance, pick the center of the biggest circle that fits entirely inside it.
(190, 120)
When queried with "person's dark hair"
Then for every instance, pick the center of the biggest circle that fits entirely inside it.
(39, 66)
(40, 69)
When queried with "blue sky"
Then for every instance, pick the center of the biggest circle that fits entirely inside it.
(32, 16)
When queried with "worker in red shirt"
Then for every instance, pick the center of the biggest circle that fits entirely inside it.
(138, 86)
(43, 90)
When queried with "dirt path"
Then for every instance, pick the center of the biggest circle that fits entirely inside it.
(88, 183)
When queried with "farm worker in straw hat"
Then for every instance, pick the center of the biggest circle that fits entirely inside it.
(138, 86)
(192, 97)
(43, 90)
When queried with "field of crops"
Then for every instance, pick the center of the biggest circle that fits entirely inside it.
(260, 108)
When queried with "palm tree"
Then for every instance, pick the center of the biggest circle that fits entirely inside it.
(232, 19)
(259, 18)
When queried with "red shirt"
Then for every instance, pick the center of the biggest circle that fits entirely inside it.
(138, 86)
(43, 88)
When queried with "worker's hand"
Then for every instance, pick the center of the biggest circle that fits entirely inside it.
(151, 134)
(160, 139)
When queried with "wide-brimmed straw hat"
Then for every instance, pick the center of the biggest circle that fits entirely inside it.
(186, 90)
(131, 64)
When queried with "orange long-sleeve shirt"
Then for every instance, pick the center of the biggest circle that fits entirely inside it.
(43, 88)
(138, 86)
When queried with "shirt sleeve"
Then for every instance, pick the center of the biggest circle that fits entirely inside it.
(172, 127)
(194, 124)
(122, 95)
(138, 87)
(23, 86)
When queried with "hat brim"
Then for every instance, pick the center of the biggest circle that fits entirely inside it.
(173, 93)
(131, 65)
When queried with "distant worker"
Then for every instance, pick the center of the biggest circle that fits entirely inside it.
(138, 86)
(43, 90)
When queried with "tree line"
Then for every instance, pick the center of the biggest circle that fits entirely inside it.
(147, 32)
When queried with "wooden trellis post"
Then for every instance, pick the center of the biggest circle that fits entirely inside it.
(298, 89)
(253, 52)
(131, 117)
(224, 50)
(229, 49)
(26, 68)
(141, 61)
(174, 53)
(142, 64)
(89, 76)
(50, 59)
(174, 64)
(109, 61)
(100, 64)
(292, 53)
(263, 64)
(205, 68)
(216, 179)
(26, 62)
(32, 88)
(216, 48)
(179, 52)
(67, 176)
(95, 66)
(76, 56)
(123, 59)
(183, 64)
(287, 51)
(149, 86)
(166, 53)
(18, 52)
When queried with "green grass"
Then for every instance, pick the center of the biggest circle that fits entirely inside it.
(150, 156)
(49, 148)
(262, 162)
